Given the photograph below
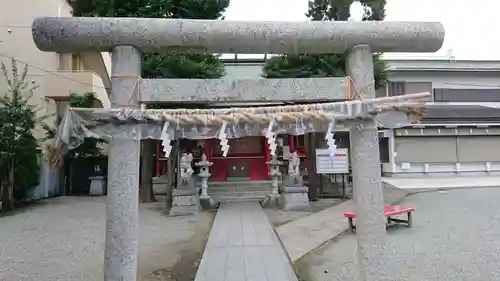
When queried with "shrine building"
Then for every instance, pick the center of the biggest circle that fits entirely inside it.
(467, 109)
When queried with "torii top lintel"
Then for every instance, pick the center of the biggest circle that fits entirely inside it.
(77, 34)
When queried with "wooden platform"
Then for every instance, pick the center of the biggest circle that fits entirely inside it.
(243, 246)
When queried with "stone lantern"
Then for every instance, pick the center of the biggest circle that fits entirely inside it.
(204, 174)
(275, 174)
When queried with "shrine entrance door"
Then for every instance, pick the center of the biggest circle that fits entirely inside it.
(246, 160)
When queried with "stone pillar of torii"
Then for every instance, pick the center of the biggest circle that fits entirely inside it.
(127, 38)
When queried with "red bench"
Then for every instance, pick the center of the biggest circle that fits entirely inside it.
(389, 212)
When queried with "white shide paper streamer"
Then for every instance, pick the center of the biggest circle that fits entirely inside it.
(330, 141)
(271, 138)
(165, 140)
(223, 139)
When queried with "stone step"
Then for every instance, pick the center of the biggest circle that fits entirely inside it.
(261, 193)
(160, 180)
(238, 188)
(243, 186)
(239, 183)
(228, 194)
(228, 198)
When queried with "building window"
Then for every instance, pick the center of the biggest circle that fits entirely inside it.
(396, 88)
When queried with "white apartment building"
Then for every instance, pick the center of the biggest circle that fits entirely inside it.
(56, 75)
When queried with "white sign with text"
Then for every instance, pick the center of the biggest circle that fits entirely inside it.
(338, 164)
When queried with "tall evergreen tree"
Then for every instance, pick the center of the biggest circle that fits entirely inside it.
(329, 65)
(19, 168)
(174, 65)
(155, 65)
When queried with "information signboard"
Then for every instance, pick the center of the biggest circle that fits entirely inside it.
(339, 164)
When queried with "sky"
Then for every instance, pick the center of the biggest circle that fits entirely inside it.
(472, 30)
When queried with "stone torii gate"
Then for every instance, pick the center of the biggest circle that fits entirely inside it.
(126, 38)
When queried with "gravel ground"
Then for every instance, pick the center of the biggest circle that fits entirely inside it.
(455, 236)
(63, 239)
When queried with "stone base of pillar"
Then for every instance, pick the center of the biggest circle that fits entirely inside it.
(97, 186)
(186, 201)
(271, 201)
(293, 181)
(295, 198)
(207, 203)
(349, 189)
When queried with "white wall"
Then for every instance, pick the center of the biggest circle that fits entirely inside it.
(16, 18)
(16, 39)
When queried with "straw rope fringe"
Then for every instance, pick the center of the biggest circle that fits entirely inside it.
(416, 110)
(244, 117)
(412, 105)
(322, 112)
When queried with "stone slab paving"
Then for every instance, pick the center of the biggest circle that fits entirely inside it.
(455, 236)
(303, 235)
(443, 183)
(242, 246)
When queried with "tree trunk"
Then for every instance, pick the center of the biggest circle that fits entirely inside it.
(4, 197)
(311, 167)
(146, 193)
(7, 195)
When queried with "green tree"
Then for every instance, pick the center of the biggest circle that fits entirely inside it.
(172, 65)
(18, 147)
(160, 65)
(329, 65)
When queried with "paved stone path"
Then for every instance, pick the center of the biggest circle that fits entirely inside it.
(303, 235)
(455, 236)
(242, 246)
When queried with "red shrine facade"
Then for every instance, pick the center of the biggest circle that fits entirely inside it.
(246, 159)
